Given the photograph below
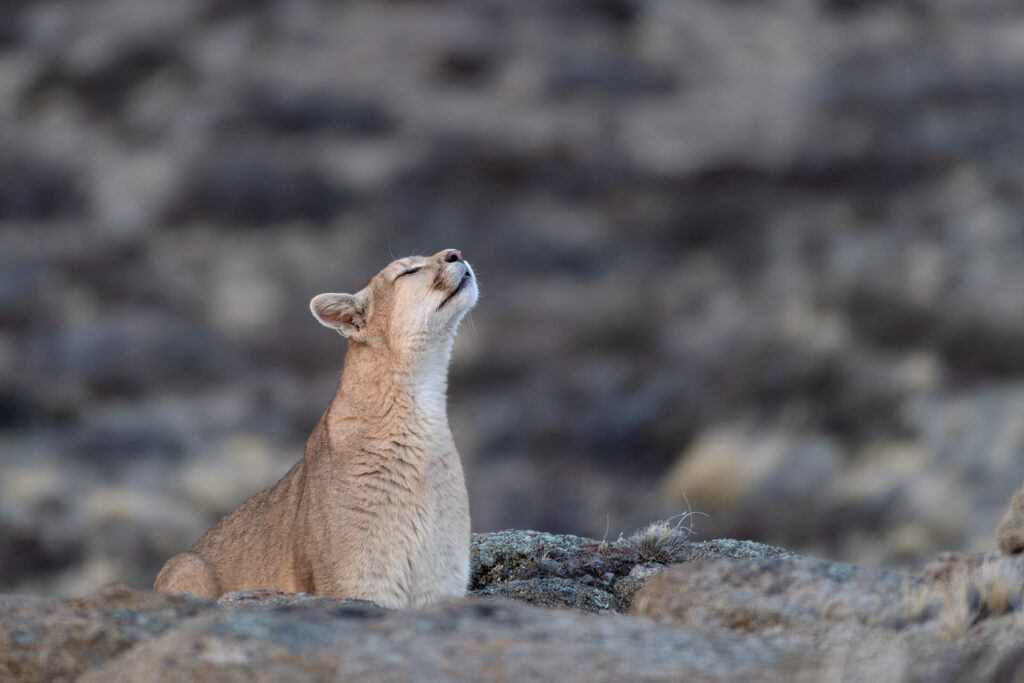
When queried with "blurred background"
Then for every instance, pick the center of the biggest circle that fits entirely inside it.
(761, 256)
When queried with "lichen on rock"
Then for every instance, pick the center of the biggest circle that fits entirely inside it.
(571, 571)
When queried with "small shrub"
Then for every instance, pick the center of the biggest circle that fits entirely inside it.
(917, 600)
(999, 588)
(993, 589)
(959, 607)
(663, 540)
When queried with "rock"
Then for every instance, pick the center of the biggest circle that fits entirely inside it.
(1010, 532)
(612, 77)
(876, 625)
(552, 570)
(268, 599)
(946, 567)
(791, 596)
(28, 552)
(36, 190)
(750, 612)
(512, 546)
(626, 587)
(552, 592)
(44, 639)
(291, 112)
(102, 88)
(253, 191)
(727, 548)
(111, 448)
(458, 640)
(124, 354)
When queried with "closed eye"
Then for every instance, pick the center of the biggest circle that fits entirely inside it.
(409, 272)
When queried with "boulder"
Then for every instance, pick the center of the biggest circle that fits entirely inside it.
(719, 610)
(460, 640)
(46, 639)
(552, 570)
(785, 596)
(960, 620)
(1010, 532)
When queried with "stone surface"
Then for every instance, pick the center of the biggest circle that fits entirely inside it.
(43, 639)
(795, 596)
(569, 571)
(724, 610)
(267, 599)
(459, 641)
(960, 622)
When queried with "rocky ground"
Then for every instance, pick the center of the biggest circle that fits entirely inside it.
(760, 257)
(651, 607)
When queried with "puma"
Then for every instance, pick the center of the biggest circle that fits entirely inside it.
(377, 507)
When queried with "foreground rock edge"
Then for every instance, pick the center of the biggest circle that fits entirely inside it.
(741, 601)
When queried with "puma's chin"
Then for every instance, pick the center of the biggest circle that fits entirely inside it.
(463, 295)
(462, 291)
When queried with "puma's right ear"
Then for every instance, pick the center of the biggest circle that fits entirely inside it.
(342, 312)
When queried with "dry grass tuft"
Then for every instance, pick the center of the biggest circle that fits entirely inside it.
(999, 588)
(663, 540)
(918, 600)
(959, 607)
(659, 541)
(994, 589)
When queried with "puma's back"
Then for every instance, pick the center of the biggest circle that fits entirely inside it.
(377, 508)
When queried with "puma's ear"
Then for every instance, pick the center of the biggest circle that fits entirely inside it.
(342, 312)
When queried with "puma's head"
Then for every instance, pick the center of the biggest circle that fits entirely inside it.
(413, 304)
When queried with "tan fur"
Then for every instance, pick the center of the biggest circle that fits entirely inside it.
(377, 508)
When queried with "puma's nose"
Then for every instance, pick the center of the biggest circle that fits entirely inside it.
(452, 255)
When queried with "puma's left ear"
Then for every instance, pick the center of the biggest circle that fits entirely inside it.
(345, 313)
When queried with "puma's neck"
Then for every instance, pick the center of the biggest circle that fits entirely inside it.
(382, 395)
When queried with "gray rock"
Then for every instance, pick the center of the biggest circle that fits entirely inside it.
(802, 594)
(514, 546)
(45, 639)
(752, 612)
(727, 548)
(570, 571)
(36, 190)
(551, 570)
(268, 599)
(253, 191)
(121, 354)
(465, 640)
(875, 625)
(291, 112)
(551, 592)
(1010, 532)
